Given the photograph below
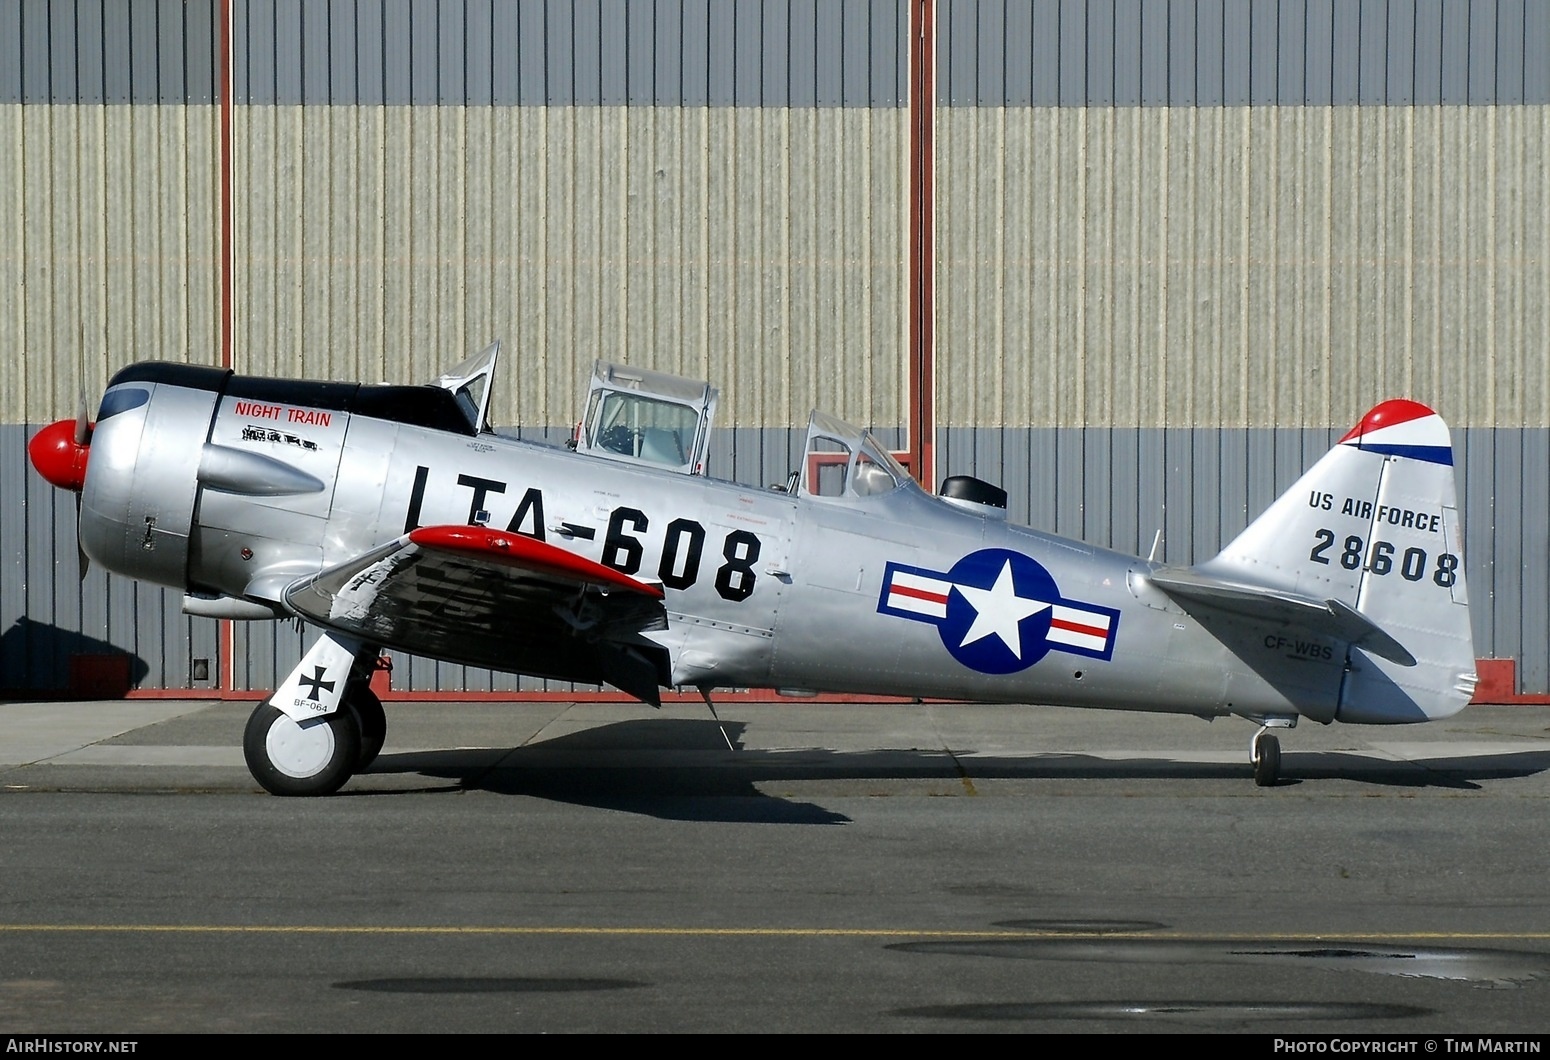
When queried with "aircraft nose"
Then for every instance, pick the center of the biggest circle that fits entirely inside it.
(58, 456)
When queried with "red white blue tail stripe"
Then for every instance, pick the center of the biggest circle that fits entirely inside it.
(1403, 428)
(998, 611)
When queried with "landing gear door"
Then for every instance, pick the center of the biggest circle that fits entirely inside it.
(470, 384)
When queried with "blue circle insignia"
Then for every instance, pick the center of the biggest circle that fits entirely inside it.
(999, 611)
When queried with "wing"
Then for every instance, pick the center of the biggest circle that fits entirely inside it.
(489, 598)
(1330, 618)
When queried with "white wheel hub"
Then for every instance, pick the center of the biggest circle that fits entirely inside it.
(300, 749)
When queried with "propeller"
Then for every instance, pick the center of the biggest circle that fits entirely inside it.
(83, 426)
(83, 433)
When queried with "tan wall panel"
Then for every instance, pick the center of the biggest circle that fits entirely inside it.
(110, 248)
(762, 248)
(1241, 266)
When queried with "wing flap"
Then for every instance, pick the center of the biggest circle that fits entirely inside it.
(481, 597)
(1328, 617)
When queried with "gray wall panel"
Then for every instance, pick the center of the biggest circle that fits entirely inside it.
(1453, 69)
(1238, 52)
(667, 61)
(1043, 56)
(1101, 453)
(314, 59)
(1016, 73)
(33, 66)
(1209, 58)
(365, 47)
(857, 76)
(1510, 516)
(1482, 51)
(1072, 64)
(1238, 56)
(452, 80)
(479, 53)
(613, 51)
(1345, 46)
(1372, 48)
(640, 60)
(424, 80)
(1127, 53)
(10, 53)
(1099, 29)
(1427, 52)
(1181, 56)
(393, 89)
(801, 53)
(1399, 53)
(1262, 50)
(202, 52)
(828, 89)
(1508, 58)
(1533, 575)
(1536, 30)
(1153, 57)
(774, 56)
(290, 46)
(62, 51)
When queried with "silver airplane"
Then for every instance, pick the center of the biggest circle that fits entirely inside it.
(394, 517)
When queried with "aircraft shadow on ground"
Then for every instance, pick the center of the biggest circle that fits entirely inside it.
(682, 769)
(36, 659)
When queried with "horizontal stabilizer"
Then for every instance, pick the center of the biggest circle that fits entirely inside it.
(1329, 618)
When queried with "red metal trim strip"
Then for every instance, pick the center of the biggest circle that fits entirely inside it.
(922, 119)
(226, 637)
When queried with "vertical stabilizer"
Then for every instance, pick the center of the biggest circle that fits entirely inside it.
(1374, 525)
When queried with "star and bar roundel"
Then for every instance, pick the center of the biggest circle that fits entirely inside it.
(998, 611)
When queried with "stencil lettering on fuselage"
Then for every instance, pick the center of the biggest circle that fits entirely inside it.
(998, 611)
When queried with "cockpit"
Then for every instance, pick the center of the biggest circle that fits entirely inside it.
(645, 417)
(842, 460)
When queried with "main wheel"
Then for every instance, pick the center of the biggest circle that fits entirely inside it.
(314, 757)
(372, 720)
(1267, 760)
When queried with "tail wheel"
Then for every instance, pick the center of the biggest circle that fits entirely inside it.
(313, 757)
(1267, 760)
(372, 720)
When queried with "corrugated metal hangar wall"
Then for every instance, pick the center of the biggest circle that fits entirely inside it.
(1138, 262)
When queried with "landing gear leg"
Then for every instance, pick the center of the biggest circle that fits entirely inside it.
(1266, 756)
(363, 702)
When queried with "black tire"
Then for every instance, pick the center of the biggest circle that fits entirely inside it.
(372, 720)
(1267, 761)
(315, 758)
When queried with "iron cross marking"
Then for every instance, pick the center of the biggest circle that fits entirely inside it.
(316, 682)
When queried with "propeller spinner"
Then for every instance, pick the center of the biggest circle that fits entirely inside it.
(59, 453)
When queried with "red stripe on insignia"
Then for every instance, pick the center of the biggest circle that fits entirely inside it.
(1100, 632)
(918, 594)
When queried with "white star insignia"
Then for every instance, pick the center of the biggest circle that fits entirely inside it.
(998, 610)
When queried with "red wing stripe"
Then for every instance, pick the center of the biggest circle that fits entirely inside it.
(518, 550)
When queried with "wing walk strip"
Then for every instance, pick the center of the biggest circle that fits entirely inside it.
(1321, 938)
